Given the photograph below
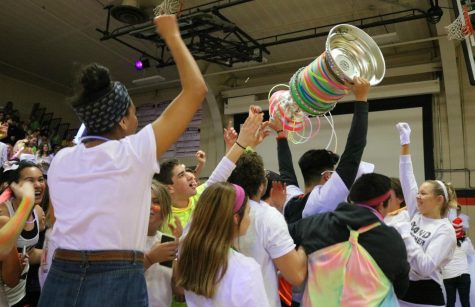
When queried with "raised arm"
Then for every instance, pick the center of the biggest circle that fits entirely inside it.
(284, 155)
(201, 157)
(251, 135)
(327, 197)
(173, 121)
(284, 158)
(356, 140)
(12, 229)
(406, 172)
(230, 136)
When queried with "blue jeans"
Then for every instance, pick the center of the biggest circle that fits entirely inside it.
(104, 283)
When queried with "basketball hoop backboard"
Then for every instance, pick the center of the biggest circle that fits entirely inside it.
(468, 43)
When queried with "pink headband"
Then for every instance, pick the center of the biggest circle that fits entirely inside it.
(240, 195)
(377, 200)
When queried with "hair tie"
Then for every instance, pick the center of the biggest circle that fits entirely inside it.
(240, 195)
(377, 200)
(444, 188)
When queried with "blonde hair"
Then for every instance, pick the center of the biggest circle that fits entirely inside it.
(204, 251)
(453, 202)
(164, 199)
(439, 190)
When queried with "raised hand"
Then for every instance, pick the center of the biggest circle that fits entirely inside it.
(25, 189)
(230, 135)
(249, 134)
(201, 157)
(167, 26)
(404, 133)
(255, 109)
(360, 88)
(262, 133)
(276, 124)
(176, 229)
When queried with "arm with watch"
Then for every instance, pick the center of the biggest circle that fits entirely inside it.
(252, 133)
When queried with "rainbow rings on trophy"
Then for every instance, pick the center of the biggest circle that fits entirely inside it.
(314, 90)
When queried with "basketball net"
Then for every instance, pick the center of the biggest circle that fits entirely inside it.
(461, 27)
(168, 7)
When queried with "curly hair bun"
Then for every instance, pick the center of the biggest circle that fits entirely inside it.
(95, 77)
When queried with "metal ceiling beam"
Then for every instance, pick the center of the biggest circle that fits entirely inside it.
(215, 5)
(199, 26)
(361, 23)
(204, 8)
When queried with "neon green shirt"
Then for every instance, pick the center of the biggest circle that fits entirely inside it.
(184, 214)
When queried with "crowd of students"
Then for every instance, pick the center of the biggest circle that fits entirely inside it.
(25, 140)
(123, 230)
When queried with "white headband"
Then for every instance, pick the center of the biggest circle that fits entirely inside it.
(443, 189)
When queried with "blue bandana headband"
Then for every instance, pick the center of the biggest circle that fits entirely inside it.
(104, 113)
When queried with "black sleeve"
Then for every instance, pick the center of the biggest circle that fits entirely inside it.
(355, 144)
(309, 232)
(295, 231)
(286, 167)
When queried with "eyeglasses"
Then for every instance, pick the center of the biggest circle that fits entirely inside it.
(327, 171)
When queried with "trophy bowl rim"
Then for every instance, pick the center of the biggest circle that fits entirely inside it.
(368, 41)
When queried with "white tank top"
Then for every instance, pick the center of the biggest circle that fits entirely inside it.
(21, 241)
(16, 293)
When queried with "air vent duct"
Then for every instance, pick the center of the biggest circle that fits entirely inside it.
(132, 11)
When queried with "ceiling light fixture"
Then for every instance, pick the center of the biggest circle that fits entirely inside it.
(142, 64)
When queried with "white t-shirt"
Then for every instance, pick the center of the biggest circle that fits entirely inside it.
(267, 238)
(158, 278)
(241, 286)
(326, 197)
(457, 266)
(101, 195)
(401, 216)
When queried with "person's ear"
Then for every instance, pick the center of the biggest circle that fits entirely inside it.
(236, 219)
(382, 209)
(123, 123)
(170, 188)
(441, 199)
